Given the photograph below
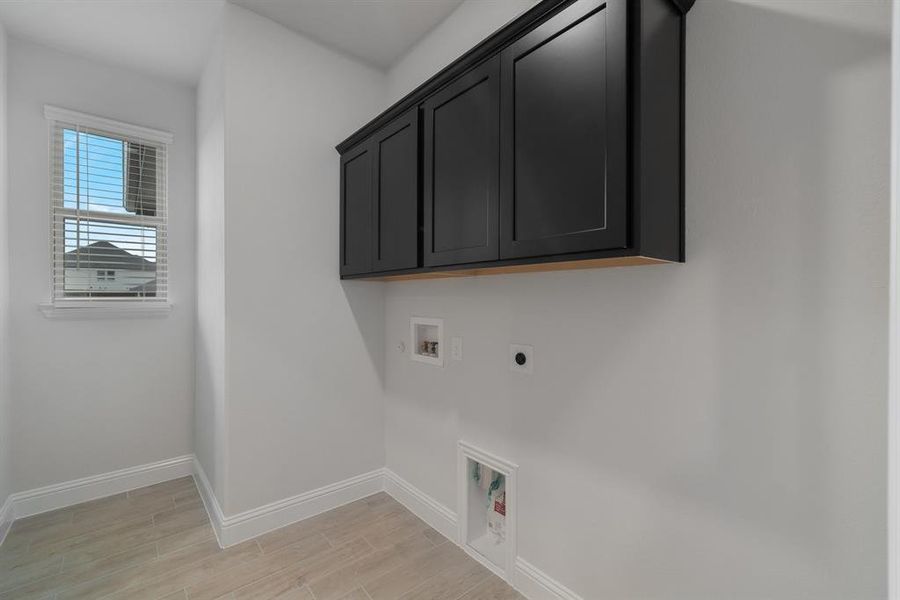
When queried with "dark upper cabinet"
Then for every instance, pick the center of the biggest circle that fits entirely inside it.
(461, 165)
(356, 211)
(563, 134)
(395, 199)
(557, 142)
(380, 200)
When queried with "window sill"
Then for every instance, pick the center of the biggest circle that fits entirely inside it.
(113, 310)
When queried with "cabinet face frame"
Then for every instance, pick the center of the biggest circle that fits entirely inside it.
(361, 152)
(615, 231)
(488, 73)
(409, 120)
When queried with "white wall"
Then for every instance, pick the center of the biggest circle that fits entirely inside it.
(94, 396)
(303, 352)
(469, 24)
(708, 430)
(5, 402)
(209, 401)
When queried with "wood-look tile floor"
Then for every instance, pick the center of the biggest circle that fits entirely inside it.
(156, 542)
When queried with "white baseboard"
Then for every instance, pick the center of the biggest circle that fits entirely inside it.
(422, 505)
(530, 581)
(249, 524)
(534, 584)
(234, 529)
(208, 496)
(52, 497)
(6, 519)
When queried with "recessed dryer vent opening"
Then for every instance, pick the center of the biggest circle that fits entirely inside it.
(487, 508)
(487, 511)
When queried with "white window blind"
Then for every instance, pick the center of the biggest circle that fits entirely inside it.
(108, 211)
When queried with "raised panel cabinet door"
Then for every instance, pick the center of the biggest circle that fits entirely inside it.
(461, 168)
(395, 201)
(563, 163)
(356, 210)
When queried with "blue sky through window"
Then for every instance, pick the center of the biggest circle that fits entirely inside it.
(94, 180)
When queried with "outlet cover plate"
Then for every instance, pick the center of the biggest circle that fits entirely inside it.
(456, 347)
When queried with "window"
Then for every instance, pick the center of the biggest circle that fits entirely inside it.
(108, 210)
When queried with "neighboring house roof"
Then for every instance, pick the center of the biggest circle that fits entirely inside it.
(148, 288)
(104, 255)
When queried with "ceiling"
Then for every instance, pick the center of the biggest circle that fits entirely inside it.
(169, 38)
(377, 32)
(172, 38)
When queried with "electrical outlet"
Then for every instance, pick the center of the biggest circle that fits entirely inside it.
(521, 358)
(456, 348)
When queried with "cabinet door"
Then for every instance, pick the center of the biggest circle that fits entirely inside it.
(356, 210)
(563, 186)
(396, 194)
(461, 167)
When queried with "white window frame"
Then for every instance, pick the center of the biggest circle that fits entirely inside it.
(103, 307)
